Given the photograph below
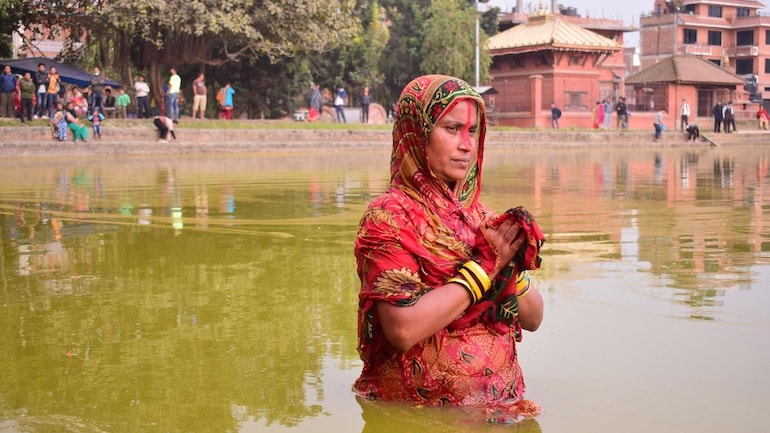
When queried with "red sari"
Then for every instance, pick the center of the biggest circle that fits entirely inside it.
(411, 240)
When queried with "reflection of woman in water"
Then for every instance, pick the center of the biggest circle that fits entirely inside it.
(443, 301)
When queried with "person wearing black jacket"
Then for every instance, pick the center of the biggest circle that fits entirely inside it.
(40, 78)
(717, 112)
(621, 109)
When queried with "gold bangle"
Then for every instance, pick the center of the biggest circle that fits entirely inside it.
(472, 292)
(473, 285)
(479, 273)
(523, 294)
(522, 280)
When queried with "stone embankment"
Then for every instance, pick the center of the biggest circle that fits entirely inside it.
(138, 140)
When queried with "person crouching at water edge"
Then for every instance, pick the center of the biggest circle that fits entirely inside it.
(165, 126)
(445, 291)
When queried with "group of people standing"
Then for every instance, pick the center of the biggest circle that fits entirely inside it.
(315, 103)
(724, 117)
(39, 93)
(602, 114)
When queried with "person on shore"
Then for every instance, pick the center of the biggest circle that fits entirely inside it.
(315, 103)
(27, 94)
(366, 100)
(621, 110)
(54, 87)
(608, 109)
(165, 126)
(716, 112)
(659, 125)
(110, 107)
(59, 122)
(97, 90)
(41, 87)
(693, 132)
(199, 96)
(439, 269)
(225, 99)
(8, 86)
(728, 118)
(555, 116)
(96, 118)
(339, 104)
(762, 117)
(142, 93)
(75, 123)
(597, 115)
(122, 102)
(684, 115)
(174, 86)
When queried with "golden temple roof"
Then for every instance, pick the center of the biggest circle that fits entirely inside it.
(550, 32)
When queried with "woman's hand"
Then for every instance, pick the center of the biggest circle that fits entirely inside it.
(505, 238)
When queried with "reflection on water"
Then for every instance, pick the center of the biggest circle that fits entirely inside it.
(219, 293)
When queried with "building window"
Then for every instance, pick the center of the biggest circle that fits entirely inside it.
(715, 38)
(716, 62)
(767, 66)
(690, 9)
(690, 36)
(744, 66)
(767, 37)
(743, 12)
(575, 101)
(715, 11)
(744, 38)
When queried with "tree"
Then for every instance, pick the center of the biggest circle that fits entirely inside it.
(400, 61)
(449, 41)
(355, 63)
(154, 35)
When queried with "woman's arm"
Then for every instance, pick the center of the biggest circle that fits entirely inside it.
(531, 309)
(434, 311)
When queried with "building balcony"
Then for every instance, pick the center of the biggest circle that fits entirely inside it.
(743, 51)
(696, 50)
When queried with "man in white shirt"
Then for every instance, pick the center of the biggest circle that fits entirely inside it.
(685, 115)
(142, 90)
(174, 86)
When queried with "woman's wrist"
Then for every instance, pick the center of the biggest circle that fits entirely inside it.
(473, 278)
(523, 285)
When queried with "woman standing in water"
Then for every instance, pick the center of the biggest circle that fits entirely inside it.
(444, 288)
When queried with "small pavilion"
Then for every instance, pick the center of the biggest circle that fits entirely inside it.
(694, 79)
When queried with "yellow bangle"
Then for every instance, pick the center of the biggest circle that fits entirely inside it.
(523, 294)
(479, 273)
(473, 293)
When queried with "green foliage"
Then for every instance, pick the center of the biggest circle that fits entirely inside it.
(449, 41)
(268, 49)
(400, 61)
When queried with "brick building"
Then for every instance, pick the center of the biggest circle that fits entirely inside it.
(549, 58)
(728, 33)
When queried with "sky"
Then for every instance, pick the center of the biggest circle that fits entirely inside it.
(626, 10)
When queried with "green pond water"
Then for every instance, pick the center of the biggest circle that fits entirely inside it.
(218, 293)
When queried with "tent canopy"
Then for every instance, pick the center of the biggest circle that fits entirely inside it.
(69, 74)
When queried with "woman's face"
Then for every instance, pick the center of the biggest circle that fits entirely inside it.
(451, 145)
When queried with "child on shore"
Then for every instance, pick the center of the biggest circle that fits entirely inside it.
(96, 122)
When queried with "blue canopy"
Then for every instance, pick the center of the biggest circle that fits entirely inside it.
(69, 74)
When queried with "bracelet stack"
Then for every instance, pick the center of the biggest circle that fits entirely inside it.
(473, 277)
(522, 285)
